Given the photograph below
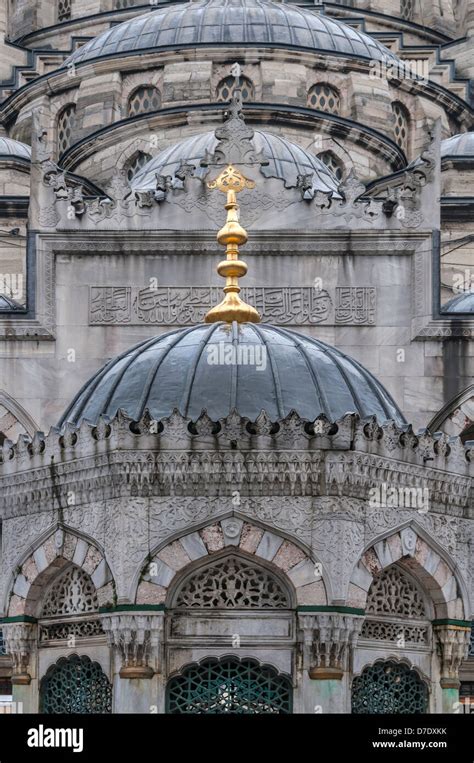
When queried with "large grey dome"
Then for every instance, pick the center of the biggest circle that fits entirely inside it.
(192, 370)
(251, 22)
(286, 161)
(459, 145)
(11, 147)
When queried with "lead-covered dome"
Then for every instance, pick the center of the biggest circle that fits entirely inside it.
(224, 367)
(460, 145)
(286, 161)
(249, 22)
(13, 148)
(463, 303)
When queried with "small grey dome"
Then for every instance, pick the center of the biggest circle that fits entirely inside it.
(286, 161)
(10, 147)
(458, 145)
(250, 22)
(463, 303)
(204, 368)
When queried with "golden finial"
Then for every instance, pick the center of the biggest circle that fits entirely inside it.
(232, 235)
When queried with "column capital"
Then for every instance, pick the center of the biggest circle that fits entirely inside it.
(137, 637)
(20, 642)
(328, 639)
(453, 646)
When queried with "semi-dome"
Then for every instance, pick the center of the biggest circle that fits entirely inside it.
(458, 145)
(250, 22)
(11, 147)
(224, 367)
(286, 161)
(463, 303)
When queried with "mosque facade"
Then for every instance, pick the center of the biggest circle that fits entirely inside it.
(237, 358)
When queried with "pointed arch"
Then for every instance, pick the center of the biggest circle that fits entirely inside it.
(457, 416)
(14, 419)
(412, 549)
(166, 565)
(46, 560)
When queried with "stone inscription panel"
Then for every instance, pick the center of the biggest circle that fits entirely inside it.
(187, 305)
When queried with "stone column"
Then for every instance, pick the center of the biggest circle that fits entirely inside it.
(328, 641)
(20, 643)
(453, 646)
(136, 639)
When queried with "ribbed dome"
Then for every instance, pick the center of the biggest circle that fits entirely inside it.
(251, 22)
(202, 368)
(458, 145)
(463, 303)
(10, 147)
(286, 161)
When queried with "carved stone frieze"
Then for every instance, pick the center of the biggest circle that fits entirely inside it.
(187, 305)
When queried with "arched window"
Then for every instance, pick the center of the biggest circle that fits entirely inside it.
(70, 608)
(226, 87)
(65, 126)
(324, 97)
(232, 583)
(395, 610)
(389, 687)
(135, 163)
(73, 685)
(332, 163)
(406, 9)
(144, 99)
(64, 10)
(229, 685)
(401, 125)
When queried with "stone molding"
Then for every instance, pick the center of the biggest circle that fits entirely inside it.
(137, 637)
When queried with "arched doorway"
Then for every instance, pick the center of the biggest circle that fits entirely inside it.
(229, 685)
(74, 685)
(389, 687)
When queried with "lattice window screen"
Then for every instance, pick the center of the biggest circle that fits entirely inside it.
(406, 9)
(324, 98)
(392, 593)
(226, 88)
(136, 163)
(76, 685)
(400, 125)
(64, 10)
(333, 164)
(229, 685)
(232, 583)
(73, 594)
(388, 687)
(143, 100)
(66, 121)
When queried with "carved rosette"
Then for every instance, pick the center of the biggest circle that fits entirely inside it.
(137, 638)
(453, 647)
(20, 643)
(328, 640)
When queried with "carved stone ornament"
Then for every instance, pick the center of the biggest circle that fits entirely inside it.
(20, 642)
(328, 639)
(137, 637)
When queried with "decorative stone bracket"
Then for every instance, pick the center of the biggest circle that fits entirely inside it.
(328, 639)
(137, 636)
(20, 642)
(453, 646)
